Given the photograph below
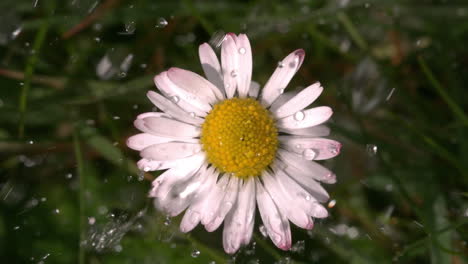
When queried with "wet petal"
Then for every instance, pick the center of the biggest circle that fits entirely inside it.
(280, 78)
(211, 66)
(167, 127)
(170, 151)
(307, 118)
(245, 65)
(172, 109)
(311, 148)
(300, 101)
(315, 131)
(143, 140)
(229, 63)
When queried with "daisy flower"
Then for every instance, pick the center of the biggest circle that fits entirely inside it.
(228, 148)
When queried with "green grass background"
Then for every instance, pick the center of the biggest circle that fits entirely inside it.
(395, 73)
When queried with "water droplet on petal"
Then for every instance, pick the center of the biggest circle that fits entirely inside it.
(195, 253)
(242, 50)
(333, 150)
(299, 116)
(280, 64)
(307, 197)
(234, 73)
(162, 22)
(192, 114)
(175, 99)
(309, 154)
(281, 91)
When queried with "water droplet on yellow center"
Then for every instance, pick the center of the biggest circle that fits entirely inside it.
(239, 136)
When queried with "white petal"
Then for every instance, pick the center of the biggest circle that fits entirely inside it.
(305, 169)
(170, 151)
(307, 118)
(311, 148)
(281, 77)
(240, 219)
(168, 127)
(172, 109)
(282, 99)
(303, 99)
(181, 194)
(315, 131)
(225, 205)
(172, 91)
(211, 66)
(143, 140)
(152, 165)
(302, 198)
(194, 88)
(165, 182)
(286, 205)
(197, 208)
(229, 63)
(214, 200)
(254, 89)
(245, 65)
(277, 225)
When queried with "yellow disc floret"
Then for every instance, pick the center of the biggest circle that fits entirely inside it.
(240, 137)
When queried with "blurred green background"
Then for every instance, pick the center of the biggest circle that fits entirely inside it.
(74, 74)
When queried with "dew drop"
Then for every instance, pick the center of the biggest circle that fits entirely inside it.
(234, 73)
(175, 99)
(309, 154)
(242, 50)
(195, 253)
(333, 149)
(167, 221)
(307, 197)
(280, 64)
(162, 22)
(263, 231)
(281, 91)
(192, 114)
(299, 116)
(371, 149)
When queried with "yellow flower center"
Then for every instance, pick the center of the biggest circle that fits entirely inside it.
(240, 137)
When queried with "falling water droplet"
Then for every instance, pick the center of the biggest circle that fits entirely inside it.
(195, 253)
(299, 116)
(242, 50)
(309, 154)
(332, 203)
(69, 176)
(217, 39)
(16, 33)
(91, 220)
(56, 211)
(162, 22)
(371, 149)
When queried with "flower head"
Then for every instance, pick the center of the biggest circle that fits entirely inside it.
(226, 149)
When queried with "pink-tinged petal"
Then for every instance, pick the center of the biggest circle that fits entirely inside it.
(211, 66)
(180, 194)
(245, 65)
(172, 109)
(239, 220)
(230, 66)
(167, 127)
(143, 140)
(198, 208)
(151, 114)
(170, 151)
(173, 92)
(165, 182)
(311, 148)
(303, 99)
(307, 118)
(254, 89)
(276, 224)
(225, 205)
(194, 88)
(280, 78)
(315, 131)
(214, 200)
(286, 205)
(304, 169)
(282, 99)
(305, 200)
